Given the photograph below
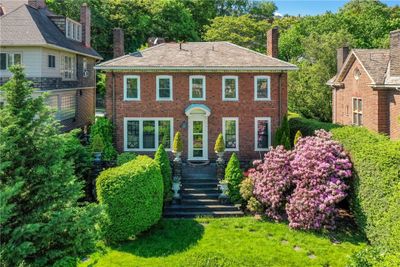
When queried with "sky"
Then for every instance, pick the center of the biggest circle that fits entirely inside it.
(314, 7)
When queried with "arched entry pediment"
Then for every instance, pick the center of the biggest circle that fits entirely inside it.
(197, 109)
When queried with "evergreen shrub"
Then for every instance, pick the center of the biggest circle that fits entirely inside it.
(133, 197)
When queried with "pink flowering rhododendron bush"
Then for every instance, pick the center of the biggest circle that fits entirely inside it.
(304, 184)
(272, 180)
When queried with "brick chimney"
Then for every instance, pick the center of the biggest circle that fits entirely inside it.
(37, 3)
(341, 56)
(118, 37)
(86, 24)
(395, 53)
(272, 42)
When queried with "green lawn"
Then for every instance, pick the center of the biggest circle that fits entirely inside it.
(229, 242)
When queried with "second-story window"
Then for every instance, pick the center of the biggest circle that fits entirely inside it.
(73, 30)
(9, 59)
(197, 86)
(131, 87)
(164, 87)
(262, 85)
(230, 90)
(68, 71)
(51, 61)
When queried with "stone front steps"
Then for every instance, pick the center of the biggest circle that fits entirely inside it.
(199, 195)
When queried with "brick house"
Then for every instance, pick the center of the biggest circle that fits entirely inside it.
(366, 89)
(57, 56)
(200, 89)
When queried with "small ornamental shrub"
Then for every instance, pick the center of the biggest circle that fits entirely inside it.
(125, 157)
(97, 144)
(178, 144)
(272, 181)
(282, 134)
(254, 205)
(234, 176)
(246, 188)
(219, 146)
(297, 137)
(133, 197)
(161, 157)
(104, 128)
(319, 168)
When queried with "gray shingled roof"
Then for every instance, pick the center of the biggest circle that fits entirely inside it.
(26, 26)
(374, 61)
(197, 55)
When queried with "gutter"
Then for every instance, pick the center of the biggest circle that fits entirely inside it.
(280, 98)
(181, 68)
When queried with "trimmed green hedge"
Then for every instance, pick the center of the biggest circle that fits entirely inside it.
(125, 157)
(133, 197)
(375, 198)
(307, 127)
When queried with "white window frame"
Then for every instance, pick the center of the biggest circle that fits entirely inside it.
(224, 78)
(357, 111)
(72, 70)
(157, 142)
(236, 119)
(268, 98)
(191, 87)
(158, 98)
(73, 30)
(126, 77)
(256, 120)
(12, 55)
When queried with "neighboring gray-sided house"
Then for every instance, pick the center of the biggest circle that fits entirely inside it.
(57, 56)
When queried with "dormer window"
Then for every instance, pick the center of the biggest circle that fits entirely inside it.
(73, 30)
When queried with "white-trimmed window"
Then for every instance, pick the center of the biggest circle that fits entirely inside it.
(357, 111)
(164, 87)
(262, 133)
(9, 59)
(197, 85)
(262, 88)
(230, 88)
(73, 30)
(230, 130)
(131, 87)
(68, 67)
(146, 134)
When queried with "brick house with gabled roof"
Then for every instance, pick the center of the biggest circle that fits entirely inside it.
(200, 89)
(366, 89)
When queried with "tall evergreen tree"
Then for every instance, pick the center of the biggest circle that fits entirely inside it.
(44, 223)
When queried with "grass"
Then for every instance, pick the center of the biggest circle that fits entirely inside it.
(229, 242)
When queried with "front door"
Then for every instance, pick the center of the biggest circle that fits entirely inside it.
(198, 145)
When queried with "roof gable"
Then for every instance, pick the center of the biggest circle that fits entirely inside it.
(197, 55)
(374, 61)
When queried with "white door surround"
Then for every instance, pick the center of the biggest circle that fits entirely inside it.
(197, 131)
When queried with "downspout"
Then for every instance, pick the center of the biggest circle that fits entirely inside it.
(113, 99)
(280, 98)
